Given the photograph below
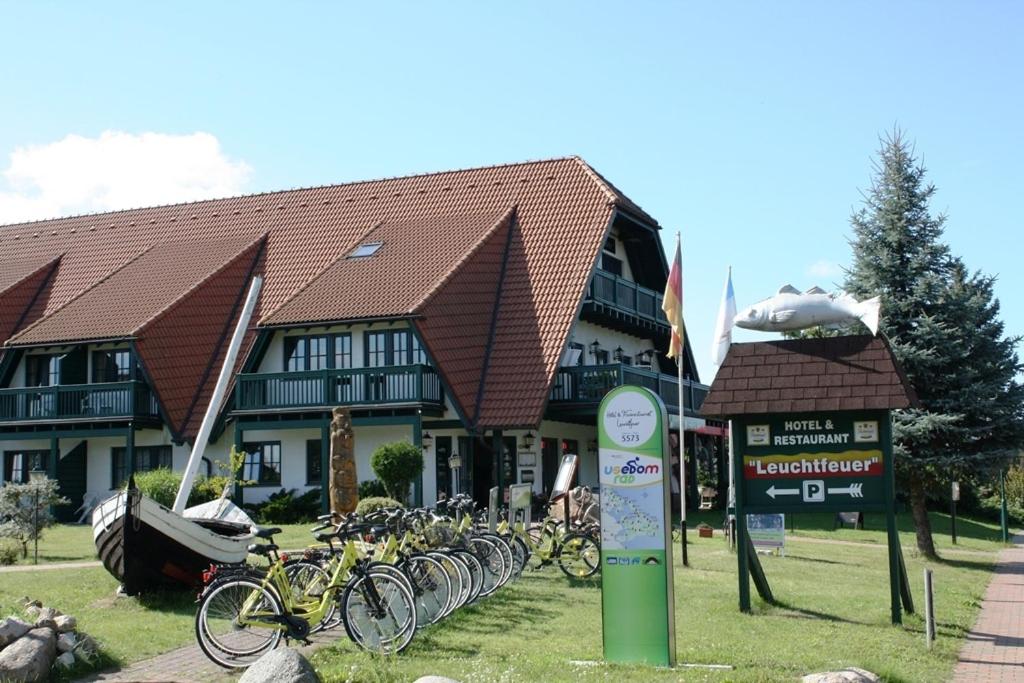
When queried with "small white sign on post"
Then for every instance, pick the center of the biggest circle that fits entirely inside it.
(768, 532)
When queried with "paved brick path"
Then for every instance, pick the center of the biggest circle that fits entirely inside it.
(190, 665)
(994, 650)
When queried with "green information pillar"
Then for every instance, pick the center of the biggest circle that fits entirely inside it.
(636, 536)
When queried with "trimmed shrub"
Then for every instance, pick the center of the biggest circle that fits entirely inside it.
(368, 505)
(397, 465)
(160, 485)
(284, 507)
(371, 488)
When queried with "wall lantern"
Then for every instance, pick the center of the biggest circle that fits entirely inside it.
(595, 348)
(427, 440)
(528, 440)
(617, 354)
(592, 447)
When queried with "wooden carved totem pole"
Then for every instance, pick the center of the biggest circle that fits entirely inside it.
(344, 483)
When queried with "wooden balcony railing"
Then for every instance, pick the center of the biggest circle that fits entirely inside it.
(589, 383)
(338, 387)
(627, 296)
(108, 400)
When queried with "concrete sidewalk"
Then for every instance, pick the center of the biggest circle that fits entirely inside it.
(994, 650)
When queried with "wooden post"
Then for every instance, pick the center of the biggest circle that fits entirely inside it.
(344, 482)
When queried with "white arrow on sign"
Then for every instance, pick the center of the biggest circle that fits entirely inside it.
(854, 490)
(772, 491)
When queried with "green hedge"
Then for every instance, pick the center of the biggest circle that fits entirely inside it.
(368, 505)
(162, 486)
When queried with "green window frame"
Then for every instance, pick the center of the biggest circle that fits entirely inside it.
(42, 370)
(388, 348)
(262, 463)
(314, 470)
(112, 365)
(303, 353)
(17, 464)
(147, 459)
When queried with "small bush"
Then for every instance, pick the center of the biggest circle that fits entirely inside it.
(371, 488)
(397, 465)
(368, 505)
(206, 489)
(284, 507)
(9, 552)
(160, 485)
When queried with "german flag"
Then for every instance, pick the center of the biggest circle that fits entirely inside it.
(673, 303)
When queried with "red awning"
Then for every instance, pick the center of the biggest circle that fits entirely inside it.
(712, 431)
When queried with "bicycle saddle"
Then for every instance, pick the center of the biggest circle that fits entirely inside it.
(269, 532)
(262, 548)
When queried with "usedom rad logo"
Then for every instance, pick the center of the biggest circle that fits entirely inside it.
(624, 560)
(634, 471)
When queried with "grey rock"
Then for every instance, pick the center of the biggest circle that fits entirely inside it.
(434, 679)
(850, 674)
(32, 611)
(283, 665)
(47, 618)
(65, 661)
(66, 642)
(26, 601)
(11, 629)
(30, 657)
(65, 623)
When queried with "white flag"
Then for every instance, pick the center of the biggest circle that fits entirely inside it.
(723, 327)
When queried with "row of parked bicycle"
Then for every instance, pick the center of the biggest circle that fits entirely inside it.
(381, 577)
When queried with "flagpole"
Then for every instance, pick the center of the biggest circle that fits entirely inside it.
(682, 430)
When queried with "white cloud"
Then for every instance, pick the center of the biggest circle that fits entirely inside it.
(824, 268)
(116, 170)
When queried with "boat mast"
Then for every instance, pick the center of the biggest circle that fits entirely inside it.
(219, 390)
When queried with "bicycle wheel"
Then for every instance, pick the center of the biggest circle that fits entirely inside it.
(541, 545)
(580, 556)
(505, 549)
(520, 556)
(379, 613)
(491, 560)
(458, 572)
(431, 587)
(476, 572)
(309, 581)
(235, 623)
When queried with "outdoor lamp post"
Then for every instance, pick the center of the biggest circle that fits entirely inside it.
(36, 476)
(528, 440)
(426, 441)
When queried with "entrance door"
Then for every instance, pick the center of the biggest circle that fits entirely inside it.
(483, 471)
(442, 450)
(549, 464)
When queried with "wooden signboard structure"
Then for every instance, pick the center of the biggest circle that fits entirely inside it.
(812, 432)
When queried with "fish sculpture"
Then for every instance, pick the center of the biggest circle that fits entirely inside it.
(791, 310)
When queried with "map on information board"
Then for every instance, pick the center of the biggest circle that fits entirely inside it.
(631, 501)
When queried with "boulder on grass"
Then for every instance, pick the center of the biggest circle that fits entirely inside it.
(65, 660)
(65, 623)
(283, 665)
(66, 642)
(30, 657)
(47, 618)
(11, 629)
(850, 674)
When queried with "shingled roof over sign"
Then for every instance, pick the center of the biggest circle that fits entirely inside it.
(434, 225)
(808, 375)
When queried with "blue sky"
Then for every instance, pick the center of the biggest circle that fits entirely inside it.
(750, 127)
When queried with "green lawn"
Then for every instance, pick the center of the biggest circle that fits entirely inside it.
(833, 612)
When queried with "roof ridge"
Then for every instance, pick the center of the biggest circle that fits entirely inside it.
(85, 291)
(464, 259)
(316, 276)
(267, 193)
(198, 285)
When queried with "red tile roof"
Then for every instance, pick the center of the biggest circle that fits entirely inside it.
(563, 210)
(808, 375)
(19, 288)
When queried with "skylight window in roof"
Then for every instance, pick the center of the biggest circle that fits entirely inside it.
(366, 249)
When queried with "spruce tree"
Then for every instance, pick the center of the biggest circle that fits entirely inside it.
(943, 326)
